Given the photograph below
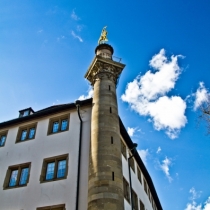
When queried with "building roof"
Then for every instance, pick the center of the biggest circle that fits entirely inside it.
(63, 107)
(44, 112)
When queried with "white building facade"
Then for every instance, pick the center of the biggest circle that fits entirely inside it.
(45, 162)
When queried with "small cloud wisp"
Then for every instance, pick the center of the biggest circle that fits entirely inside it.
(74, 16)
(158, 150)
(201, 96)
(89, 95)
(131, 131)
(76, 36)
(166, 163)
(144, 154)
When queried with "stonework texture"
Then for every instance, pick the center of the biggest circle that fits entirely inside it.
(105, 190)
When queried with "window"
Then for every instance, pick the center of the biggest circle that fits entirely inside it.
(126, 190)
(26, 112)
(17, 176)
(26, 132)
(139, 174)
(149, 194)
(123, 149)
(131, 163)
(142, 205)
(3, 136)
(145, 186)
(54, 168)
(135, 200)
(56, 207)
(153, 204)
(58, 124)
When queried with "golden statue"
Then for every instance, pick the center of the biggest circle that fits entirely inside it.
(103, 37)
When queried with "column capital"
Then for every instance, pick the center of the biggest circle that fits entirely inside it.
(104, 68)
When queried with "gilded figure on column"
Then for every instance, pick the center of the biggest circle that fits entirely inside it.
(103, 37)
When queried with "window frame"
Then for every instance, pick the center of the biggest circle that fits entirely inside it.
(145, 186)
(126, 190)
(123, 149)
(27, 127)
(149, 195)
(141, 204)
(3, 133)
(58, 119)
(139, 174)
(55, 159)
(52, 207)
(135, 201)
(131, 162)
(18, 167)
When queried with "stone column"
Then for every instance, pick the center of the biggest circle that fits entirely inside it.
(105, 187)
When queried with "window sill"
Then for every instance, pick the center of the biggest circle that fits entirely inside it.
(14, 187)
(57, 132)
(19, 141)
(52, 180)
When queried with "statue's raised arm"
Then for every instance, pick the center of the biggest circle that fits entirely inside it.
(103, 37)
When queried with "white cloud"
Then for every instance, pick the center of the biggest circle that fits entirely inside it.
(201, 96)
(207, 204)
(131, 131)
(89, 95)
(165, 168)
(193, 205)
(74, 15)
(144, 154)
(158, 150)
(76, 36)
(195, 194)
(147, 95)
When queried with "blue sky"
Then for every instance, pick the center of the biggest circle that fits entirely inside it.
(47, 46)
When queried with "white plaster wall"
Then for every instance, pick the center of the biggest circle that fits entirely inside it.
(136, 185)
(51, 193)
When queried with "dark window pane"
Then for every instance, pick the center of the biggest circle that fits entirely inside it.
(23, 135)
(145, 186)
(50, 171)
(123, 149)
(64, 124)
(24, 176)
(142, 205)
(13, 178)
(139, 174)
(126, 190)
(135, 200)
(61, 168)
(31, 133)
(55, 127)
(2, 140)
(131, 162)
